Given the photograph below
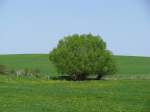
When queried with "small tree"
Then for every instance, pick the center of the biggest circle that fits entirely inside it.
(83, 55)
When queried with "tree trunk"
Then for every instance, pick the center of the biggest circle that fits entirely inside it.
(79, 77)
(99, 76)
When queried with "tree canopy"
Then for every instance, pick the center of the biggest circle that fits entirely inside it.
(82, 55)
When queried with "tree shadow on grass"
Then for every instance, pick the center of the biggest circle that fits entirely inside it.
(69, 78)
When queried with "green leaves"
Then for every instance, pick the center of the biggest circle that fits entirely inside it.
(83, 55)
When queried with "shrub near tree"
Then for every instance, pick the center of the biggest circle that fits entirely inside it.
(3, 69)
(82, 55)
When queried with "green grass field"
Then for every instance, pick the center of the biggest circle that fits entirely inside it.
(64, 96)
(129, 92)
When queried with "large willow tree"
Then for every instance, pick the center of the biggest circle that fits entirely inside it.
(82, 55)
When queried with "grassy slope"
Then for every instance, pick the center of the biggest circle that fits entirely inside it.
(127, 65)
(35, 61)
(133, 65)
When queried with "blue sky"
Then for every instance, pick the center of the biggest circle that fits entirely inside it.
(35, 26)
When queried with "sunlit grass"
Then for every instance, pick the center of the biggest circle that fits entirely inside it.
(63, 96)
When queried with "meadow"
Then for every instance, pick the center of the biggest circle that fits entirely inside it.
(126, 91)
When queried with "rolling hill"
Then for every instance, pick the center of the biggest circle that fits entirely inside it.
(127, 65)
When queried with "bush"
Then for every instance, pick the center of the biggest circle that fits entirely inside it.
(28, 72)
(82, 55)
(3, 69)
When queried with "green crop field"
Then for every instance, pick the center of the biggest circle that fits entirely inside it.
(129, 92)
